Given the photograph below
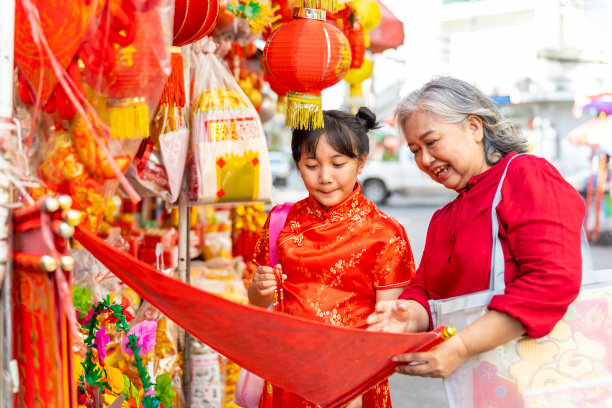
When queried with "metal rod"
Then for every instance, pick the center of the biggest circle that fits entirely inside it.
(184, 231)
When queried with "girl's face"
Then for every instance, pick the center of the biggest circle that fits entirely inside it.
(329, 176)
(448, 153)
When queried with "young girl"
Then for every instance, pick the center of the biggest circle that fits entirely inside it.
(339, 254)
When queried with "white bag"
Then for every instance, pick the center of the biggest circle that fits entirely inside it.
(230, 155)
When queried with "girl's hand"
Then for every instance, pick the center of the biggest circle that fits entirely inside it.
(263, 285)
(439, 362)
(398, 316)
(264, 280)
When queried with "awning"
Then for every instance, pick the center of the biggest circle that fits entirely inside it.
(596, 132)
(389, 33)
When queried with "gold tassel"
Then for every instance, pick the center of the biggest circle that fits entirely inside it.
(330, 5)
(128, 118)
(356, 90)
(304, 111)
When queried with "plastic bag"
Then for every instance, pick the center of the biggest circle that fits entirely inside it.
(230, 155)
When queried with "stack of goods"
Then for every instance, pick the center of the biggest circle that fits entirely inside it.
(223, 277)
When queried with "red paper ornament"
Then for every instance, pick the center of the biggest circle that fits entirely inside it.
(65, 24)
(139, 68)
(356, 38)
(306, 56)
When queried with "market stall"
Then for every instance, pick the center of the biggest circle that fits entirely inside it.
(135, 181)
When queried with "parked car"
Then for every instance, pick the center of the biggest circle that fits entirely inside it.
(381, 178)
(280, 166)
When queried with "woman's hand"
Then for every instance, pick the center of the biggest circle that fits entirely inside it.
(491, 330)
(439, 362)
(263, 285)
(398, 316)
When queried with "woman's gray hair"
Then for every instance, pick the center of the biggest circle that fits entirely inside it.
(453, 100)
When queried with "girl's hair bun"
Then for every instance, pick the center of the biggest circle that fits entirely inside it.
(367, 118)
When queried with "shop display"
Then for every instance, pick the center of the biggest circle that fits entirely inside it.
(132, 111)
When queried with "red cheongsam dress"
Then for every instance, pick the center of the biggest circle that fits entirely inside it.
(335, 261)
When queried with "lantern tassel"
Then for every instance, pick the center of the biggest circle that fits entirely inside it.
(356, 90)
(128, 118)
(330, 5)
(174, 91)
(304, 111)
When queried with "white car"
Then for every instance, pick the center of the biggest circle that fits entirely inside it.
(381, 178)
(280, 166)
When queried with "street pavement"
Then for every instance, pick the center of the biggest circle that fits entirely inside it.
(414, 213)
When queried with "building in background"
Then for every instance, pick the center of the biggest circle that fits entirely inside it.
(533, 57)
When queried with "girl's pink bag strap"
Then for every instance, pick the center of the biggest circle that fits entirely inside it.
(278, 216)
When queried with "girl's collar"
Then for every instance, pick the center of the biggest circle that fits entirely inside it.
(343, 210)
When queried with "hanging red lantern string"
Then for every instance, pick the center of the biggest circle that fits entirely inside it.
(306, 56)
(193, 19)
(190, 25)
(349, 22)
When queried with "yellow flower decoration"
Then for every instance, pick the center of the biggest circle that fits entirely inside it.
(114, 378)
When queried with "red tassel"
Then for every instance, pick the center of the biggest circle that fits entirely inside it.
(174, 91)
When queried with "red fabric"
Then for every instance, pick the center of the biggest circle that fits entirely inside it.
(324, 364)
(335, 261)
(540, 228)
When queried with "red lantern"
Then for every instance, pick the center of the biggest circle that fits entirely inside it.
(193, 19)
(306, 56)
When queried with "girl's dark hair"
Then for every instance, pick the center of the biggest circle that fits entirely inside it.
(346, 133)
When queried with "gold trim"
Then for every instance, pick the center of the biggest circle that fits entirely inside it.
(311, 13)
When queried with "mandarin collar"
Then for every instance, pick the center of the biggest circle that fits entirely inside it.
(495, 168)
(343, 210)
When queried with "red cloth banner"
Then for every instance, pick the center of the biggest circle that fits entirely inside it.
(324, 364)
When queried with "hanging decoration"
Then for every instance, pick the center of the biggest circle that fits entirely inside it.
(137, 341)
(369, 16)
(257, 14)
(355, 76)
(138, 64)
(65, 25)
(44, 319)
(193, 20)
(331, 5)
(306, 56)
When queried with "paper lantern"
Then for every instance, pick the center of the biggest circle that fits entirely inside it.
(193, 19)
(355, 76)
(306, 56)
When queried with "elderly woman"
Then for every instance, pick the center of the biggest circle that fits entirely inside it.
(460, 140)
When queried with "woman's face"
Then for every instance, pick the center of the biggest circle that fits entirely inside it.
(328, 175)
(448, 153)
